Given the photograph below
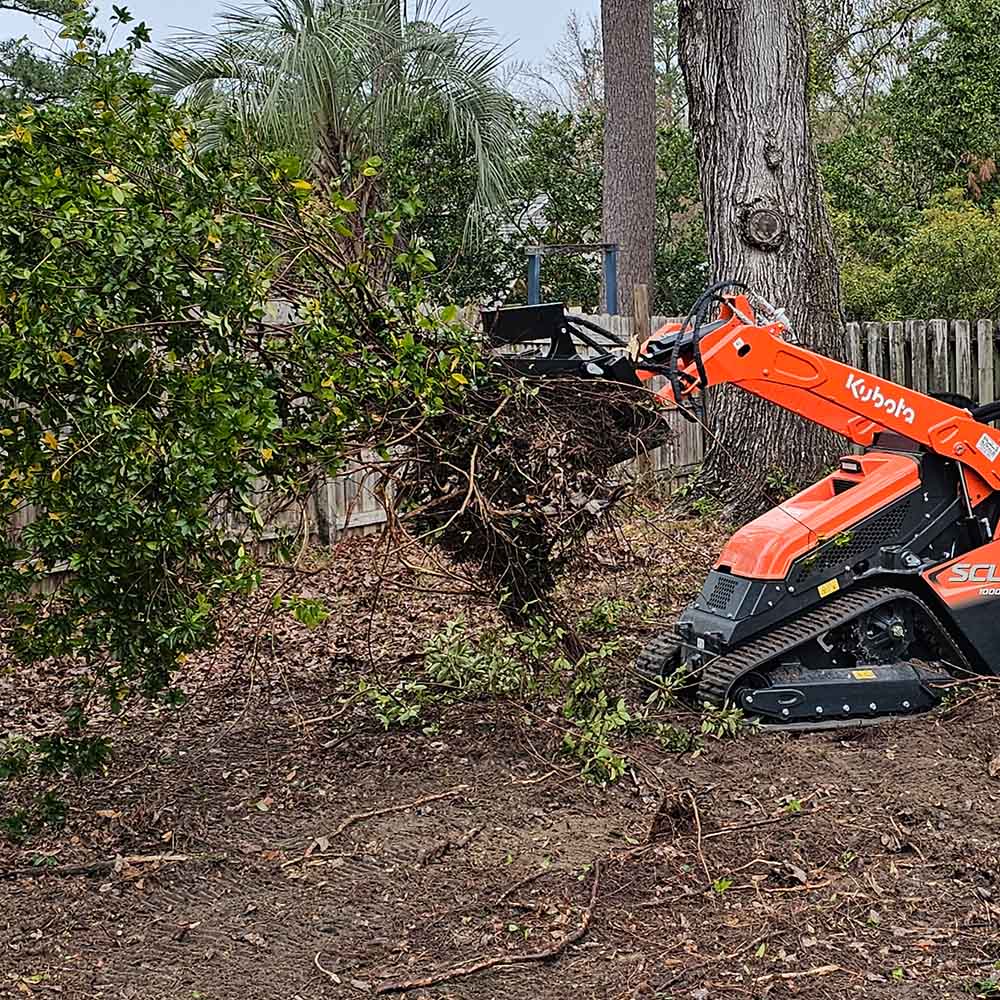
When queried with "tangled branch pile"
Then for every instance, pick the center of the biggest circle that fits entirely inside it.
(513, 483)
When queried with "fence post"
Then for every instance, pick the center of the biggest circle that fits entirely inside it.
(984, 340)
(326, 512)
(916, 330)
(897, 354)
(873, 333)
(940, 381)
(641, 332)
(854, 345)
(641, 313)
(963, 358)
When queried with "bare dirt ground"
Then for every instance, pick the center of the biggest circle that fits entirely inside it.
(271, 841)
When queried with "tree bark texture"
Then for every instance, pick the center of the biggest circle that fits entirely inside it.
(629, 204)
(745, 66)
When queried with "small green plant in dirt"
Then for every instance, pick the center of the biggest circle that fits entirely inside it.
(673, 739)
(722, 723)
(987, 987)
(700, 503)
(605, 616)
(496, 663)
(48, 758)
(780, 484)
(47, 811)
(597, 715)
(722, 885)
(399, 707)
(666, 691)
(952, 697)
(306, 610)
(706, 507)
(519, 929)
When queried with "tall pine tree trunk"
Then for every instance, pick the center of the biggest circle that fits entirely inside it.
(745, 66)
(629, 212)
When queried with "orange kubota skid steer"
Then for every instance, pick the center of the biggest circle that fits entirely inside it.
(858, 598)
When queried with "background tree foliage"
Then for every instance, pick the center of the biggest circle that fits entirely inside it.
(910, 165)
(29, 74)
(334, 79)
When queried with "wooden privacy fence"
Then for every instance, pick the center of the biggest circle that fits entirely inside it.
(936, 355)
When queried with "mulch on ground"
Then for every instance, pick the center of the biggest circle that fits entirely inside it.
(269, 840)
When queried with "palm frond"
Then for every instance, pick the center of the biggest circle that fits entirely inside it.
(333, 74)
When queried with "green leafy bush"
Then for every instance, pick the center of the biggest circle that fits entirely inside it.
(152, 395)
(500, 662)
(950, 264)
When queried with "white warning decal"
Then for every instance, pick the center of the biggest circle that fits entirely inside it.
(988, 447)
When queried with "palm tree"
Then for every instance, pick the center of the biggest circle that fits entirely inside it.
(329, 77)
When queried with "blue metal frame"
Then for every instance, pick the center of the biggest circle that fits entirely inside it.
(611, 278)
(534, 278)
(610, 252)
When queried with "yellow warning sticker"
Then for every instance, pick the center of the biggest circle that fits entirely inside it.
(828, 588)
(863, 675)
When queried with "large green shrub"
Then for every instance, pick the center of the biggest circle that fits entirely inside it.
(950, 264)
(149, 396)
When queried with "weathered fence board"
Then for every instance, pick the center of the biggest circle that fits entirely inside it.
(854, 355)
(940, 380)
(897, 350)
(963, 358)
(918, 343)
(985, 360)
(876, 352)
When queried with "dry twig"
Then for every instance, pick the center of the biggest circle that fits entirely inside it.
(463, 971)
(106, 865)
(371, 813)
(697, 826)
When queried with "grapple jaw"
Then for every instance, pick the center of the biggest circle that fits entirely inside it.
(553, 343)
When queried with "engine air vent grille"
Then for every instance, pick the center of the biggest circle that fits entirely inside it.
(722, 592)
(853, 543)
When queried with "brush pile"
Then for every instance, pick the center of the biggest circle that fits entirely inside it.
(512, 485)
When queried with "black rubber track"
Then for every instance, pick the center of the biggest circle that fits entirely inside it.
(721, 674)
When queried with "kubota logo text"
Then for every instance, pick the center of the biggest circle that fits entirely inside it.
(873, 394)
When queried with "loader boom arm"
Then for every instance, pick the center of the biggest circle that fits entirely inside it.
(757, 357)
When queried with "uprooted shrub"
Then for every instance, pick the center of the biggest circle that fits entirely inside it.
(190, 341)
(515, 482)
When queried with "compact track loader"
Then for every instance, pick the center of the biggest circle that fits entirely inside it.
(858, 598)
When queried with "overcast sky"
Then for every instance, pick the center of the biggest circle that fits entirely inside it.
(532, 26)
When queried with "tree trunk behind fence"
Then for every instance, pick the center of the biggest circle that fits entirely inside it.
(745, 65)
(629, 200)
